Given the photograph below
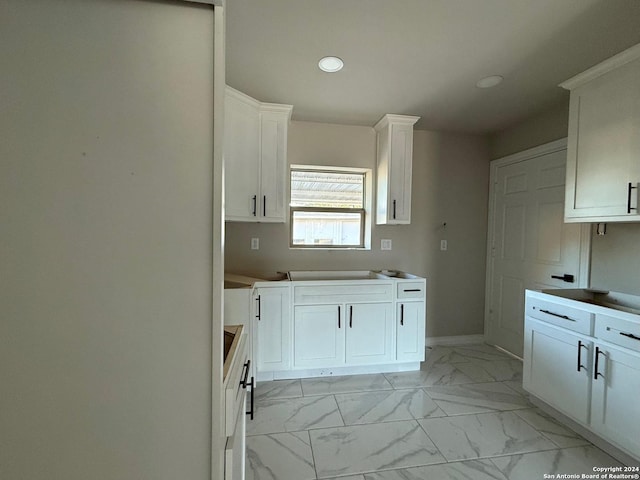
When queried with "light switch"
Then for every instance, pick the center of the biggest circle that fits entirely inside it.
(443, 245)
(255, 244)
(385, 244)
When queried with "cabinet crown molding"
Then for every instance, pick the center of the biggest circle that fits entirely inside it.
(277, 108)
(622, 58)
(392, 118)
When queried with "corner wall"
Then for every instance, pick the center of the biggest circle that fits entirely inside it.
(450, 184)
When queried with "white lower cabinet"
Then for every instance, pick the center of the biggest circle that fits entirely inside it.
(557, 368)
(344, 334)
(369, 333)
(307, 327)
(592, 377)
(615, 408)
(410, 331)
(318, 336)
(272, 328)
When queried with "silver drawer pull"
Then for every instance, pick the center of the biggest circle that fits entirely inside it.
(630, 335)
(564, 317)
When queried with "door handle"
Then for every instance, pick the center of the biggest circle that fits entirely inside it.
(595, 370)
(338, 316)
(394, 209)
(402, 314)
(255, 204)
(580, 345)
(258, 300)
(565, 278)
(350, 316)
(629, 188)
(253, 387)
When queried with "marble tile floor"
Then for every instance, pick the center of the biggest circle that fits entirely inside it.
(464, 415)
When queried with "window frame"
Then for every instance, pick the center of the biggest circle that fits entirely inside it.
(364, 223)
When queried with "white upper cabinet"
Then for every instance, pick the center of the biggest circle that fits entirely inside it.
(255, 151)
(603, 151)
(241, 153)
(395, 158)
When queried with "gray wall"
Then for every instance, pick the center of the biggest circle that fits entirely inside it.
(450, 184)
(106, 240)
(615, 257)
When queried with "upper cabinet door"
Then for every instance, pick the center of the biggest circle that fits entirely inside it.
(274, 121)
(255, 152)
(603, 152)
(241, 153)
(395, 160)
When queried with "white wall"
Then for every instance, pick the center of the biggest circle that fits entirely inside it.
(106, 257)
(450, 184)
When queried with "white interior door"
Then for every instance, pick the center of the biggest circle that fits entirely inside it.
(529, 245)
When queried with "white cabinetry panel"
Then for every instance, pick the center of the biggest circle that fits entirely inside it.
(369, 337)
(272, 322)
(318, 336)
(603, 148)
(395, 160)
(551, 368)
(615, 410)
(255, 153)
(410, 326)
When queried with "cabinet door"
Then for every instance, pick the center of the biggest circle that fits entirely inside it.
(273, 345)
(604, 147)
(241, 156)
(318, 336)
(410, 327)
(400, 164)
(369, 333)
(273, 166)
(551, 368)
(615, 410)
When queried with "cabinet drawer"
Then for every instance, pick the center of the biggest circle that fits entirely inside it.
(563, 316)
(414, 289)
(619, 331)
(341, 293)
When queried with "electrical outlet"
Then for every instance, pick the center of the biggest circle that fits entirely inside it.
(255, 244)
(385, 244)
(443, 245)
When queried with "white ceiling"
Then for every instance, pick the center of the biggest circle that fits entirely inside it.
(421, 57)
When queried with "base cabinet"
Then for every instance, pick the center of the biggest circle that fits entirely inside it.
(615, 409)
(338, 335)
(557, 368)
(593, 377)
(272, 328)
(366, 322)
(318, 336)
(410, 331)
(369, 333)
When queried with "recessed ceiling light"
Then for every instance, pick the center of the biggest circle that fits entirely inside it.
(488, 82)
(330, 64)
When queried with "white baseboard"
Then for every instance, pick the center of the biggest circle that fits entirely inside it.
(336, 371)
(455, 340)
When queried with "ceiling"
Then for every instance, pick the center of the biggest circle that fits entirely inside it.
(421, 57)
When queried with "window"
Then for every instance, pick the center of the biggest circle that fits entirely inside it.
(327, 208)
